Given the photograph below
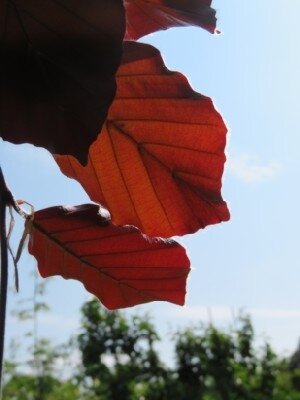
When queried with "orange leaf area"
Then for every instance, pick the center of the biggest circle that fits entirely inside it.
(119, 265)
(159, 159)
(147, 16)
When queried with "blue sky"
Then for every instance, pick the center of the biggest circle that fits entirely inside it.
(251, 71)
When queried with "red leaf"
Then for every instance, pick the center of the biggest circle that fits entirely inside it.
(159, 160)
(58, 64)
(147, 16)
(119, 265)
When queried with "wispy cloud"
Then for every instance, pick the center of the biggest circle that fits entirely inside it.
(275, 313)
(203, 312)
(223, 313)
(248, 169)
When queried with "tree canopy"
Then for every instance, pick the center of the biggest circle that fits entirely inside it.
(118, 358)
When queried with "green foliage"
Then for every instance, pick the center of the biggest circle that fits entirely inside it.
(210, 364)
(116, 351)
(29, 387)
(119, 360)
(35, 378)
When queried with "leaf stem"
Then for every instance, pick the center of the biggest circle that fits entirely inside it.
(5, 199)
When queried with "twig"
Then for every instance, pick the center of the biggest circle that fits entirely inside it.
(5, 200)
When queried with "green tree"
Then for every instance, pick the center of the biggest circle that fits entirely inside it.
(118, 353)
(217, 365)
(36, 377)
(119, 360)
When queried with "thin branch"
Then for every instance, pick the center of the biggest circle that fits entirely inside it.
(5, 199)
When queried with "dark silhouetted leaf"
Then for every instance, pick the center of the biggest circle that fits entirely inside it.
(147, 16)
(121, 266)
(159, 160)
(58, 61)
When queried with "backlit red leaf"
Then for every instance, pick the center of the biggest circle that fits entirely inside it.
(159, 160)
(119, 265)
(147, 16)
(58, 61)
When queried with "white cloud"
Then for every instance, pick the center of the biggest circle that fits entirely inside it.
(220, 313)
(275, 313)
(247, 168)
(204, 312)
